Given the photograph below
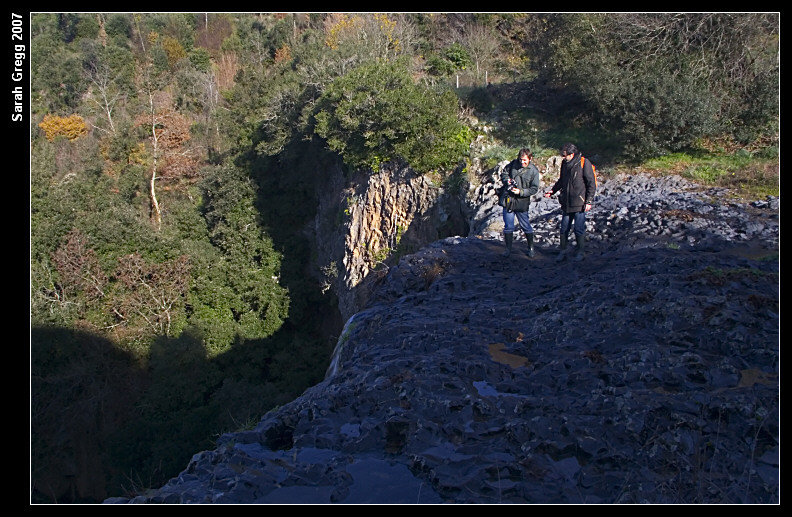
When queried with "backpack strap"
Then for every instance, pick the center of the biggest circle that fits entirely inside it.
(593, 169)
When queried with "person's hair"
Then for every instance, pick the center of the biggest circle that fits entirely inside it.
(524, 152)
(569, 148)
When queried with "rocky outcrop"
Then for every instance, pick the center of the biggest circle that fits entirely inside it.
(648, 373)
(365, 219)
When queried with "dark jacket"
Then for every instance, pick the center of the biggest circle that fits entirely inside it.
(577, 185)
(526, 179)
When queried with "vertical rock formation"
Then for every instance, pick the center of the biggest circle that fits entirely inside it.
(366, 219)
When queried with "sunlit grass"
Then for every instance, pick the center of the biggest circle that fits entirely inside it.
(750, 175)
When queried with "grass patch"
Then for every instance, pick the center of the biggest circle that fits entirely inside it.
(751, 175)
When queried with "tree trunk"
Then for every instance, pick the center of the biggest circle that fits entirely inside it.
(156, 214)
(155, 209)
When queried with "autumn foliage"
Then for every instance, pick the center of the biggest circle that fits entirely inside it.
(177, 159)
(72, 127)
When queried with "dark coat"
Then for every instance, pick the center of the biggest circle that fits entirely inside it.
(526, 179)
(577, 184)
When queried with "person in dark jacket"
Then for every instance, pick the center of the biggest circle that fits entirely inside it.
(521, 181)
(577, 186)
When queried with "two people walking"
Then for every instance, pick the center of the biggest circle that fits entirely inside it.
(576, 187)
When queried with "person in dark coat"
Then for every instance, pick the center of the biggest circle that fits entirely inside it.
(577, 187)
(521, 180)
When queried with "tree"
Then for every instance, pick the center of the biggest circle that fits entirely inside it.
(105, 93)
(199, 93)
(237, 292)
(57, 83)
(149, 81)
(735, 54)
(482, 41)
(78, 268)
(376, 113)
(69, 283)
(710, 73)
(170, 139)
(151, 296)
(169, 133)
(377, 35)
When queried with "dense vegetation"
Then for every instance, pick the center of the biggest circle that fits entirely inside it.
(170, 296)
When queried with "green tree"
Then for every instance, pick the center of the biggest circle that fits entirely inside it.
(661, 81)
(56, 81)
(458, 56)
(239, 296)
(376, 113)
(118, 27)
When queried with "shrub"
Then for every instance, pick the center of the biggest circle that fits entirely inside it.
(71, 127)
(376, 113)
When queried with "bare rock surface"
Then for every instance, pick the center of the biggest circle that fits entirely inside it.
(648, 373)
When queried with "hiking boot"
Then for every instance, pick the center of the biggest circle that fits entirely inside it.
(581, 240)
(530, 251)
(508, 238)
(562, 254)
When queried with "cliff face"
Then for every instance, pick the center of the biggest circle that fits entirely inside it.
(648, 373)
(364, 219)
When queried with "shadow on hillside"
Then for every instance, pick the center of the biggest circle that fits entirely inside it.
(103, 424)
(83, 390)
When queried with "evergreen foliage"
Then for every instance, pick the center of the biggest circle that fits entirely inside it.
(659, 82)
(238, 295)
(376, 114)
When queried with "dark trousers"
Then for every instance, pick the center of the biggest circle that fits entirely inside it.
(575, 221)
